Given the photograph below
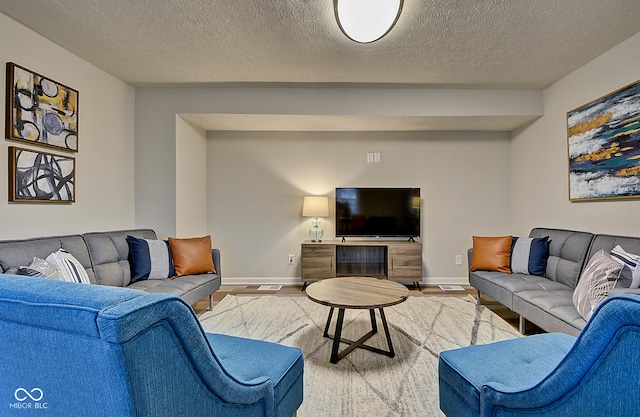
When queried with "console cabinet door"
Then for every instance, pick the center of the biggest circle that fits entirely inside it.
(318, 261)
(405, 262)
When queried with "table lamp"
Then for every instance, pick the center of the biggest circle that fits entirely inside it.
(315, 206)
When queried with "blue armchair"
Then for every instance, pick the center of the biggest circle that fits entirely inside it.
(595, 374)
(71, 349)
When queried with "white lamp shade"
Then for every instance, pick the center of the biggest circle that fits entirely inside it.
(315, 206)
(367, 21)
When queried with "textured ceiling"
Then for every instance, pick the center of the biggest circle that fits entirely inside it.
(486, 43)
(513, 44)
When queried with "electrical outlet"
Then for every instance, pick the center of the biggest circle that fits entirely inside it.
(370, 157)
(292, 259)
(458, 259)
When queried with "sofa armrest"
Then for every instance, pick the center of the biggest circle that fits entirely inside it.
(215, 254)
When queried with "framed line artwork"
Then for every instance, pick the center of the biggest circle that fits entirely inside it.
(36, 176)
(40, 111)
(603, 139)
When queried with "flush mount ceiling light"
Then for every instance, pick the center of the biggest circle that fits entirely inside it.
(366, 21)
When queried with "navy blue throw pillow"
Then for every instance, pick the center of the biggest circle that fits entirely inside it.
(149, 259)
(529, 255)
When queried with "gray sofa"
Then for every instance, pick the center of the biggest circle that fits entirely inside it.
(105, 257)
(548, 301)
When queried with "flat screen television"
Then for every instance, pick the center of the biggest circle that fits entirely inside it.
(377, 212)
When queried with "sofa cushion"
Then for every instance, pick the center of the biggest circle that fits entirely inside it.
(529, 255)
(551, 309)
(491, 253)
(110, 254)
(597, 279)
(192, 255)
(567, 253)
(17, 253)
(150, 259)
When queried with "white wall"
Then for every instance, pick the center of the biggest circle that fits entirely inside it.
(540, 160)
(257, 181)
(191, 180)
(105, 161)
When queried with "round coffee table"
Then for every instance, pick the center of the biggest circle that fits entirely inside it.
(357, 293)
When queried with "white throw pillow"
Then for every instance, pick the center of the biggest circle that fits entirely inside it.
(597, 279)
(68, 267)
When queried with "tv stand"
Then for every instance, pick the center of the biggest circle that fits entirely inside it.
(344, 239)
(394, 260)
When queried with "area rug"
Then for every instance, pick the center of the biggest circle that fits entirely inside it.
(364, 383)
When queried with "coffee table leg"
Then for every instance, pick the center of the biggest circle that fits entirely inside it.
(326, 327)
(391, 353)
(374, 324)
(335, 356)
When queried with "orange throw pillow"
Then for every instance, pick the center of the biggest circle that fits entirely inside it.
(491, 254)
(192, 256)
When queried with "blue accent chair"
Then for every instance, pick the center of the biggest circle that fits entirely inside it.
(595, 374)
(70, 349)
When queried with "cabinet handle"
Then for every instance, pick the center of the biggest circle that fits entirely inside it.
(392, 264)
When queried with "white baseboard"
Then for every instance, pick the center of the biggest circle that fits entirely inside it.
(298, 281)
(446, 280)
(261, 281)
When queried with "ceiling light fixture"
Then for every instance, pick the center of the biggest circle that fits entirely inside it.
(366, 21)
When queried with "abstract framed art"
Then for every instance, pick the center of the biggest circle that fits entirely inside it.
(40, 177)
(40, 111)
(603, 139)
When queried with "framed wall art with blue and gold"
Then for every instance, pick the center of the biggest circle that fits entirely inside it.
(604, 146)
(40, 111)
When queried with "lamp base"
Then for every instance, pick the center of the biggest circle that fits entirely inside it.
(316, 232)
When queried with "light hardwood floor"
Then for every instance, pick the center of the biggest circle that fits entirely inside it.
(428, 290)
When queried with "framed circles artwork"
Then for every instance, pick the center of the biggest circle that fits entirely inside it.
(604, 147)
(36, 176)
(40, 111)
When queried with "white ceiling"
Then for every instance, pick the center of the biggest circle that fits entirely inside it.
(512, 44)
